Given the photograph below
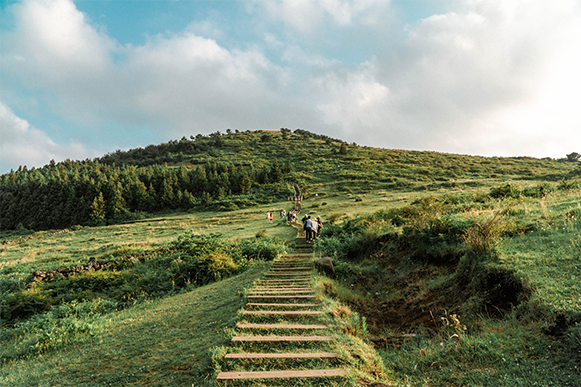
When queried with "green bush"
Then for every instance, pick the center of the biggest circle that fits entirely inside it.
(191, 260)
(505, 191)
(573, 341)
(62, 325)
(265, 248)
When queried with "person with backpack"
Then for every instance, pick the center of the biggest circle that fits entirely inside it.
(304, 221)
(308, 226)
(314, 229)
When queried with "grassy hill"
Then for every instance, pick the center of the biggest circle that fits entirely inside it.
(463, 269)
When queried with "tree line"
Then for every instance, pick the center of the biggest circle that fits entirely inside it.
(93, 193)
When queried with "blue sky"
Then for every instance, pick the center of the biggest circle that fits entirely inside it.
(484, 77)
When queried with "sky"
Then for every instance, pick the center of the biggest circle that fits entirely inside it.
(79, 79)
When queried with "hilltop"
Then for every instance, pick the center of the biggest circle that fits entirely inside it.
(239, 170)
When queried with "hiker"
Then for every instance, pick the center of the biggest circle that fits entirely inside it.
(319, 225)
(314, 229)
(304, 222)
(268, 217)
(307, 225)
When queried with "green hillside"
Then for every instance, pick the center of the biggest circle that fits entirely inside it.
(450, 270)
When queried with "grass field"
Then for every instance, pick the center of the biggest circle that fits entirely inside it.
(164, 342)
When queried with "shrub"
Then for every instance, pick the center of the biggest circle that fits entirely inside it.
(505, 191)
(482, 235)
(265, 248)
(573, 341)
(334, 217)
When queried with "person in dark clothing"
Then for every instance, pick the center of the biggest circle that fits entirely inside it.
(309, 230)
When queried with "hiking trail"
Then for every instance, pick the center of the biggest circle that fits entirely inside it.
(280, 335)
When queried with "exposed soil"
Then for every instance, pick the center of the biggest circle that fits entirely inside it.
(412, 304)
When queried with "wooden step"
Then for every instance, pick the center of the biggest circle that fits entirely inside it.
(275, 304)
(298, 355)
(282, 326)
(279, 296)
(281, 339)
(281, 292)
(282, 287)
(287, 286)
(280, 374)
(290, 273)
(284, 312)
(289, 279)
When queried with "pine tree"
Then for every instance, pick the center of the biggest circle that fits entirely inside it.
(245, 182)
(98, 210)
(117, 204)
(275, 173)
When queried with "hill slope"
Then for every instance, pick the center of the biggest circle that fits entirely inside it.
(237, 170)
(465, 268)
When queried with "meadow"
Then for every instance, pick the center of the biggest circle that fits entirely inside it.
(451, 270)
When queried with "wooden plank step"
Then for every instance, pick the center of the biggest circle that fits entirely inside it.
(282, 326)
(281, 339)
(284, 312)
(278, 296)
(298, 355)
(281, 374)
(283, 285)
(275, 304)
(308, 279)
(299, 274)
(272, 288)
(281, 292)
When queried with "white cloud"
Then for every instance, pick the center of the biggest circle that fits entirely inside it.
(493, 79)
(354, 101)
(21, 144)
(307, 15)
(176, 84)
(58, 39)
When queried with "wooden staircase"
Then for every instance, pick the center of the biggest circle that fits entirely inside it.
(285, 293)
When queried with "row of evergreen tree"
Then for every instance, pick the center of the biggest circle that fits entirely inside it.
(89, 192)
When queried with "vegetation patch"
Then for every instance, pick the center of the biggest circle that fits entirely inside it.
(188, 262)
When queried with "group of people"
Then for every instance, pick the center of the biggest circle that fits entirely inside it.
(292, 216)
(312, 227)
